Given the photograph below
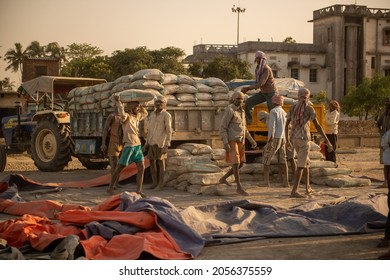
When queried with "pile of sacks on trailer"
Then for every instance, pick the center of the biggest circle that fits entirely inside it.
(180, 90)
(197, 168)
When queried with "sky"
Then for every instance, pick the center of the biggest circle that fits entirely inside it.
(118, 24)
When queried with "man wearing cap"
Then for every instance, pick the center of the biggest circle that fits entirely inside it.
(158, 139)
(233, 133)
(300, 115)
(276, 144)
(265, 81)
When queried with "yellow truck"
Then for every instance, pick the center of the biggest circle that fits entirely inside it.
(259, 130)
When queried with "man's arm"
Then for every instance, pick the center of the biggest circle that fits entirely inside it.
(223, 131)
(263, 78)
(321, 131)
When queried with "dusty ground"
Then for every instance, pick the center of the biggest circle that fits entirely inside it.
(363, 162)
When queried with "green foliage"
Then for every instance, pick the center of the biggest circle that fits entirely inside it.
(321, 98)
(168, 60)
(35, 50)
(82, 51)
(224, 68)
(15, 58)
(289, 40)
(96, 67)
(368, 98)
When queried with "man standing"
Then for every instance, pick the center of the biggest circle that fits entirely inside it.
(158, 139)
(132, 151)
(233, 133)
(111, 130)
(331, 128)
(300, 115)
(265, 81)
(384, 125)
(276, 144)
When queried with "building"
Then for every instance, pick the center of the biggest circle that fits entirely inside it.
(40, 66)
(350, 43)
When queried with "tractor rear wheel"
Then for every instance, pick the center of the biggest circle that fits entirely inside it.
(51, 145)
(3, 158)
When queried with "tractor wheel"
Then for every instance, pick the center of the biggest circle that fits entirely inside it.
(3, 158)
(51, 146)
(93, 164)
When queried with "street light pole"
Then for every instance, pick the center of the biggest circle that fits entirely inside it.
(238, 10)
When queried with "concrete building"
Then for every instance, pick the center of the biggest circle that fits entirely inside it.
(350, 42)
(34, 67)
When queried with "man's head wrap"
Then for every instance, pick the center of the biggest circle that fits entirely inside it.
(303, 99)
(262, 116)
(237, 94)
(278, 100)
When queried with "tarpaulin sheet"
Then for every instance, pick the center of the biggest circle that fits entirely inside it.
(163, 234)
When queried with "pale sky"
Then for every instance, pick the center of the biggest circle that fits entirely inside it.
(119, 24)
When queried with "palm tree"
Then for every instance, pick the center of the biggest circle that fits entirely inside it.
(35, 49)
(7, 84)
(54, 50)
(15, 58)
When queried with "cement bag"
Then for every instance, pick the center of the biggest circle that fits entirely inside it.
(185, 88)
(196, 148)
(202, 168)
(184, 160)
(148, 74)
(212, 82)
(169, 89)
(75, 107)
(184, 79)
(204, 96)
(101, 95)
(315, 155)
(107, 103)
(120, 87)
(203, 88)
(220, 96)
(169, 78)
(341, 181)
(221, 103)
(87, 99)
(91, 106)
(123, 79)
(247, 168)
(218, 154)
(329, 171)
(203, 178)
(204, 103)
(314, 147)
(220, 89)
(178, 152)
(172, 101)
(146, 84)
(76, 92)
(185, 97)
(322, 163)
(258, 168)
(131, 95)
(186, 104)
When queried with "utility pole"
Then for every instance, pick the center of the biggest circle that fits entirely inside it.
(238, 10)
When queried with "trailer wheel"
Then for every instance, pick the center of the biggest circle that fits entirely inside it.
(3, 158)
(51, 146)
(93, 164)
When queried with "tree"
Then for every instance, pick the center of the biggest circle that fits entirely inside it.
(15, 58)
(53, 49)
(227, 69)
(35, 50)
(168, 60)
(130, 61)
(289, 40)
(367, 99)
(79, 51)
(7, 84)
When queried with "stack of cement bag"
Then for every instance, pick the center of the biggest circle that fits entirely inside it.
(197, 168)
(326, 173)
(180, 91)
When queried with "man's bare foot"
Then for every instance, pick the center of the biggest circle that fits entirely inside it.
(223, 181)
(141, 194)
(110, 190)
(241, 191)
(296, 195)
(309, 191)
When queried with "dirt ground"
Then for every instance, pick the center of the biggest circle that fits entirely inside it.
(364, 162)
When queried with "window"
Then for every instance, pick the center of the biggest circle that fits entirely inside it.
(386, 37)
(313, 76)
(295, 73)
(41, 71)
(373, 62)
(330, 34)
(387, 72)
